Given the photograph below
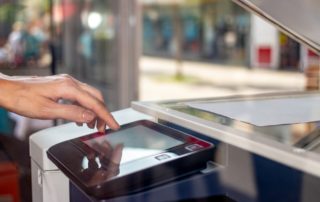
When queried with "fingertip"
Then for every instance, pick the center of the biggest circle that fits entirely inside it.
(101, 125)
(102, 129)
(90, 125)
(120, 146)
(115, 126)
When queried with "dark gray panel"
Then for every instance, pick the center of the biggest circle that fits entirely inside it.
(298, 18)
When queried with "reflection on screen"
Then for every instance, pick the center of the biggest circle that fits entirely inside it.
(138, 141)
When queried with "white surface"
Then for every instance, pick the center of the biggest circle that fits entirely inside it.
(263, 34)
(266, 112)
(23, 125)
(49, 186)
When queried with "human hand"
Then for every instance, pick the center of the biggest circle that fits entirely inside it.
(38, 97)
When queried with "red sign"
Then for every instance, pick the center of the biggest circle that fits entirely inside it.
(264, 55)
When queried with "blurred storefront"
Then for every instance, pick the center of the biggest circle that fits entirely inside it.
(289, 53)
(25, 37)
(271, 49)
(216, 31)
(209, 30)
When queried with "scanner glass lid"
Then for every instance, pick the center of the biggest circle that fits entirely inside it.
(299, 135)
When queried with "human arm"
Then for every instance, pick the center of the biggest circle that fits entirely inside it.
(38, 97)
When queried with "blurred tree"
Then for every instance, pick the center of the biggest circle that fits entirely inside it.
(8, 14)
(177, 42)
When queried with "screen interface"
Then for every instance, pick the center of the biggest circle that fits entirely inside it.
(136, 142)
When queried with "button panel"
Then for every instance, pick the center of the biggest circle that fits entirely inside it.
(162, 157)
(194, 147)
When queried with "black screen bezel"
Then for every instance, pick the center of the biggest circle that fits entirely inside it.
(178, 135)
(79, 149)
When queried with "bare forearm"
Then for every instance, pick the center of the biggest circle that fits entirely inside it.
(37, 97)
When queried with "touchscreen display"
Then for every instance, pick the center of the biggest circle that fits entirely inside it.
(136, 142)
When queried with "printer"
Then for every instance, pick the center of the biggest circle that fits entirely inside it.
(263, 147)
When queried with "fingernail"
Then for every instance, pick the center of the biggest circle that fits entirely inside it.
(116, 126)
(88, 116)
(102, 128)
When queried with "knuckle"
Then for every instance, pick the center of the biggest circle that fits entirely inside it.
(69, 82)
(100, 95)
(65, 76)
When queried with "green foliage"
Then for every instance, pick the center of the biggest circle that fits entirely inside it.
(46, 5)
(9, 11)
(177, 79)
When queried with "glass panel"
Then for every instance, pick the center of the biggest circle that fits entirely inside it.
(303, 135)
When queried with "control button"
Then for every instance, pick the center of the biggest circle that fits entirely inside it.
(194, 147)
(162, 157)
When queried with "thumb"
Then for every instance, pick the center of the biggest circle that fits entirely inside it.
(74, 113)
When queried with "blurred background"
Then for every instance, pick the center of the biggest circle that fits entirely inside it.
(143, 50)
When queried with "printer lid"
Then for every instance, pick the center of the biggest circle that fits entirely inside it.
(295, 144)
(297, 18)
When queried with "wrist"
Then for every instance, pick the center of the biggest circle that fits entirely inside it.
(6, 89)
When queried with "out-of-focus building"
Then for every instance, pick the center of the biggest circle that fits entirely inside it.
(217, 31)
(211, 30)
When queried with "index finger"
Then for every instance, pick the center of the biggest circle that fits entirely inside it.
(88, 101)
(96, 93)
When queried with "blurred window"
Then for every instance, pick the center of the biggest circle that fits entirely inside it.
(25, 34)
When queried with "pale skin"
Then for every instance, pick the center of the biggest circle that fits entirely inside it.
(38, 97)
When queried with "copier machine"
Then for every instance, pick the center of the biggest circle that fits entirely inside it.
(264, 147)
